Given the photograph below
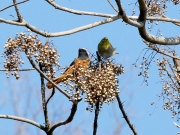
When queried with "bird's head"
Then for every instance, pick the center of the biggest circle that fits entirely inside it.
(83, 53)
(105, 40)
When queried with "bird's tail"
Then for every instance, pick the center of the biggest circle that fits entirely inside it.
(56, 81)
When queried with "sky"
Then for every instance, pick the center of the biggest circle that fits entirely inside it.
(137, 97)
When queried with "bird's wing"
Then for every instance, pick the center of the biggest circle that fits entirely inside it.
(72, 63)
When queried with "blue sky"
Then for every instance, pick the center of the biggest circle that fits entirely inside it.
(137, 98)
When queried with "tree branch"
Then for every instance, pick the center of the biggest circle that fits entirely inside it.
(178, 24)
(171, 76)
(124, 16)
(17, 11)
(23, 120)
(158, 40)
(162, 52)
(143, 11)
(96, 119)
(77, 12)
(52, 94)
(40, 72)
(125, 116)
(13, 5)
(28, 69)
(69, 119)
(56, 6)
(56, 34)
(44, 100)
(12, 22)
(112, 6)
(82, 28)
(75, 30)
(151, 38)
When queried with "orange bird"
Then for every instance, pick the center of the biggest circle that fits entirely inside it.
(82, 62)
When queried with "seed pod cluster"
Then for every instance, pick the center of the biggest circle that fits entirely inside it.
(156, 7)
(175, 1)
(168, 65)
(45, 54)
(100, 85)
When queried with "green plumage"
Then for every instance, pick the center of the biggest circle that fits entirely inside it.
(105, 49)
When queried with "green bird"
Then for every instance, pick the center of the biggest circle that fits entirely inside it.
(105, 49)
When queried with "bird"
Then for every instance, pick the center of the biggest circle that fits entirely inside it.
(81, 62)
(105, 49)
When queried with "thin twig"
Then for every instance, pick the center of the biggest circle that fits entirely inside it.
(162, 52)
(44, 100)
(52, 94)
(28, 69)
(112, 6)
(69, 119)
(171, 78)
(98, 57)
(23, 120)
(17, 11)
(13, 5)
(96, 119)
(125, 115)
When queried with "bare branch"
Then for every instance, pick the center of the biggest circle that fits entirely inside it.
(176, 125)
(52, 94)
(178, 24)
(56, 6)
(28, 69)
(143, 11)
(125, 116)
(162, 52)
(69, 119)
(143, 7)
(56, 34)
(112, 6)
(23, 120)
(44, 100)
(171, 76)
(158, 40)
(12, 22)
(124, 16)
(17, 11)
(96, 119)
(34, 65)
(151, 38)
(85, 27)
(130, 17)
(152, 18)
(13, 5)
(68, 32)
